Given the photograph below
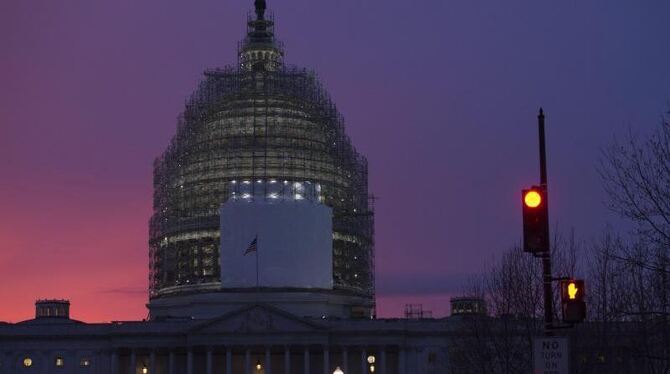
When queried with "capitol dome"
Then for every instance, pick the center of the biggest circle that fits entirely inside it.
(246, 129)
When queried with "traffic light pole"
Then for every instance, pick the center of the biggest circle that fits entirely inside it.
(547, 278)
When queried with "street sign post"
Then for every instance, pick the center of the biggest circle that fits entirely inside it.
(550, 355)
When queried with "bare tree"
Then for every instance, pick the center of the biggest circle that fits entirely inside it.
(632, 279)
(501, 341)
(636, 177)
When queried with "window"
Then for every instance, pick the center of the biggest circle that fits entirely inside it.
(60, 362)
(27, 362)
(84, 362)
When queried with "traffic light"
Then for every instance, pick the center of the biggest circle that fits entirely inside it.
(535, 220)
(572, 300)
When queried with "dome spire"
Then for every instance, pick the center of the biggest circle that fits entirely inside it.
(260, 50)
(260, 9)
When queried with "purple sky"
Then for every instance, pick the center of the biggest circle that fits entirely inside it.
(441, 96)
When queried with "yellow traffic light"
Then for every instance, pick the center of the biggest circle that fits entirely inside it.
(532, 199)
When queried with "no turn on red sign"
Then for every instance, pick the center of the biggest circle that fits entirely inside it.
(550, 355)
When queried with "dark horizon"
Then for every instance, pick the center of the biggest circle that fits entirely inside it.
(442, 98)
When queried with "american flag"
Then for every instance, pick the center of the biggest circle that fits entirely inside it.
(253, 246)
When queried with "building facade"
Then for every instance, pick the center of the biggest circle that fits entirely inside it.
(252, 340)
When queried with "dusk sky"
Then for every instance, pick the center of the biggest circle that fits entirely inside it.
(440, 95)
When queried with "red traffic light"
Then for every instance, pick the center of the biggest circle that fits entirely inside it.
(532, 198)
(535, 220)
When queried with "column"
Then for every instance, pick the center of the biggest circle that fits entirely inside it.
(189, 361)
(152, 362)
(402, 361)
(229, 360)
(171, 366)
(382, 360)
(345, 360)
(326, 361)
(247, 361)
(209, 360)
(287, 360)
(133, 362)
(115, 362)
(268, 361)
(306, 360)
(364, 361)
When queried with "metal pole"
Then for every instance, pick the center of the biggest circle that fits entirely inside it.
(546, 256)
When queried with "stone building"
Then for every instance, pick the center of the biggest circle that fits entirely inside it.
(261, 246)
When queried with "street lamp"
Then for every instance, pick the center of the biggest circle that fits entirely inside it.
(145, 370)
(338, 371)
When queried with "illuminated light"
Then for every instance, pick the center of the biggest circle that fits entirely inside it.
(234, 182)
(273, 196)
(338, 371)
(259, 367)
(372, 368)
(533, 199)
(572, 290)
(60, 362)
(285, 182)
(84, 362)
(246, 196)
(27, 362)
(371, 359)
(246, 182)
(298, 196)
(259, 181)
(273, 181)
(145, 370)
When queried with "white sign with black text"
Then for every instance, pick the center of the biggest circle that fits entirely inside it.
(550, 355)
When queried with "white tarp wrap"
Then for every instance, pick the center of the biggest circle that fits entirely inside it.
(294, 248)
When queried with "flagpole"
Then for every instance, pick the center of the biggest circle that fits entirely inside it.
(257, 279)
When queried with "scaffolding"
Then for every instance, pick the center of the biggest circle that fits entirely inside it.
(259, 120)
